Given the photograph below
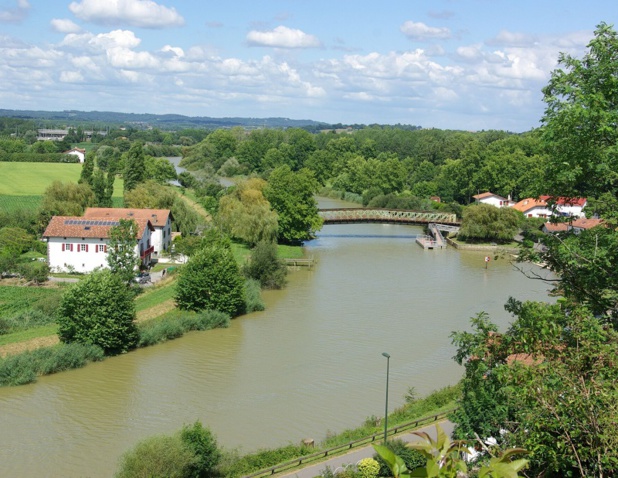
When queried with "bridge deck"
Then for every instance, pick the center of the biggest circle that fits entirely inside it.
(391, 216)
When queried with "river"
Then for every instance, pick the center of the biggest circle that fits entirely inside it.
(311, 363)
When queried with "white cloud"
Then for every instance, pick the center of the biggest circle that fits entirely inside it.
(15, 14)
(421, 32)
(64, 25)
(507, 38)
(283, 37)
(174, 50)
(71, 77)
(139, 13)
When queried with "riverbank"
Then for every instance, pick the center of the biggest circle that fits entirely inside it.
(511, 248)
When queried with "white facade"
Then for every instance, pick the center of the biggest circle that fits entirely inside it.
(68, 253)
(493, 200)
(80, 153)
(162, 237)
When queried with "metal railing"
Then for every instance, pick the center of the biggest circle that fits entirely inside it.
(347, 215)
(348, 446)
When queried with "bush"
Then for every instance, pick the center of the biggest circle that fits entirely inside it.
(203, 444)
(253, 296)
(99, 310)
(211, 280)
(265, 267)
(412, 458)
(158, 457)
(368, 468)
(175, 324)
(24, 368)
(233, 465)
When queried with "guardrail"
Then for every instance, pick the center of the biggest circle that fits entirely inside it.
(348, 446)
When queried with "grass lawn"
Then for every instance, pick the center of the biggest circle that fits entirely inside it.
(31, 179)
(155, 295)
(29, 334)
(16, 203)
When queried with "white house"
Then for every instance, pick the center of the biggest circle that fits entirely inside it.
(570, 207)
(493, 200)
(80, 153)
(161, 220)
(78, 244)
(532, 207)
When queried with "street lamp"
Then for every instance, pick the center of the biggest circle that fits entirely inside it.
(388, 359)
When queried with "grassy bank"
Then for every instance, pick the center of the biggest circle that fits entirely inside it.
(235, 465)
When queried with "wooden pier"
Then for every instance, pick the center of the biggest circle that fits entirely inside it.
(303, 262)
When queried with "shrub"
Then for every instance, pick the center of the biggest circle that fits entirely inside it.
(24, 368)
(234, 465)
(412, 458)
(158, 456)
(266, 267)
(99, 310)
(368, 468)
(253, 296)
(211, 281)
(203, 444)
(159, 331)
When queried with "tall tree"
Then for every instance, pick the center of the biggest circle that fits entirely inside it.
(291, 195)
(86, 175)
(579, 125)
(135, 172)
(122, 257)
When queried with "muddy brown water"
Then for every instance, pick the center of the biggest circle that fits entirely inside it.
(309, 365)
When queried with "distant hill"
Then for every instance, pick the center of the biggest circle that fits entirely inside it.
(167, 122)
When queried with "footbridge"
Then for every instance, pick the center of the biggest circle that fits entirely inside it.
(436, 222)
(388, 216)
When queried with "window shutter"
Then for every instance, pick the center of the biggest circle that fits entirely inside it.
(86, 247)
(71, 247)
(105, 248)
(78, 247)
(63, 246)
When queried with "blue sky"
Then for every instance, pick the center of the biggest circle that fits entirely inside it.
(460, 64)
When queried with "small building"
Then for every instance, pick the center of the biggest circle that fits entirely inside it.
(577, 225)
(569, 207)
(493, 200)
(532, 207)
(80, 153)
(78, 244)
(161, 220)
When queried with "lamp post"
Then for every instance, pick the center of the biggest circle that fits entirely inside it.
(388, 360)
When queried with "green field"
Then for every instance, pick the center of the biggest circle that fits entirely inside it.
(23, 184)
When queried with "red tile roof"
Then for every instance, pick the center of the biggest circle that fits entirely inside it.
(529, 203)
(487, 195)
(158, 217)
(584, 223)
(77, 226)
(563, 201)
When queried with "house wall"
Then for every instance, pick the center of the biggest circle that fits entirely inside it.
(575, 211)
(538, 212)
(85, 255)
(495, 201)
(162, 238)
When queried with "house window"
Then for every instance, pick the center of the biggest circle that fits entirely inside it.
(83, 247)
(67, 247)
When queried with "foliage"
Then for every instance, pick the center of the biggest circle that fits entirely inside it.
(368, 468)
(34, 271)
(203, 444)
(233, 465)
(122, 257)
(265, 267)
(65, 199)
(99, 310)
(444, 459)
(245, 214)
(211, 280)
(486, 223)
(411, 458)
(158, 457)
(135, 172)
(176, 323)
(291, 195)
(579, 125)
(25, 367)
(86, 175)
(160, 170)
(555, 384)
(253, 296)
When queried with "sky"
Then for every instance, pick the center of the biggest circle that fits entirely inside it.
(451, 64)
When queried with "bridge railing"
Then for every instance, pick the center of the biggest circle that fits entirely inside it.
(348, 446)
(387, 215)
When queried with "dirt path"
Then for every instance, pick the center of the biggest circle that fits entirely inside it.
(49, 340)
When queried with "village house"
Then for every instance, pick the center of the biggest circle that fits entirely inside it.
(569, 207)
(546, 206)
(576, 225)
(80, 153)
(79, 244)
(493, 200)
(531, 207)
(161, 220)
